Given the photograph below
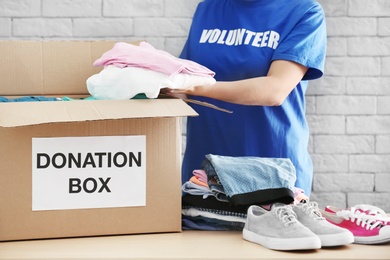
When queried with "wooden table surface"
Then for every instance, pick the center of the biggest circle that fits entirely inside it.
(184, 245)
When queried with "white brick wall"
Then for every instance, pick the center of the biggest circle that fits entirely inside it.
(350, 119)
(348, 109)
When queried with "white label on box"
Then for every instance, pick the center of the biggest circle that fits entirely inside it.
(88, 172)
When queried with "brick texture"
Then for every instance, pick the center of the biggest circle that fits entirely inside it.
(348, 109)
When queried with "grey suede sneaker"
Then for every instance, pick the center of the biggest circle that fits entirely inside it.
(331, 235)
(278, 229)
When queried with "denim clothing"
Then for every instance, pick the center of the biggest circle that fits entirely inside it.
(192, 188)
(253, 180)
(215, 214)
(213, 181)
(209, 224)
(210, 219)
(195, 189)
(28, 99)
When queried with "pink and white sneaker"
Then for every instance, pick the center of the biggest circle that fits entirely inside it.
(367, 209)
(369, 226)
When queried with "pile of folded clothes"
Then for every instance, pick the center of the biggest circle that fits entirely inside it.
(219, 194)
(131, 69)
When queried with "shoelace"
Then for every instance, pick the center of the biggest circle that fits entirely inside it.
(285, 214)
(368, 222)
(373, 211)
(312, 209)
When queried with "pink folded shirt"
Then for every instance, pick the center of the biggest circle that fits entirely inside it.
(146, 56)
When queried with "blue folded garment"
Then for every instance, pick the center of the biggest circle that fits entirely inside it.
(255, 180)
(28, 99)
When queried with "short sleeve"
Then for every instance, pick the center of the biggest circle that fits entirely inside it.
(306, 43)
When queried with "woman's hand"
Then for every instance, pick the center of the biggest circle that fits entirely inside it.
(270, 90)
(177, 93)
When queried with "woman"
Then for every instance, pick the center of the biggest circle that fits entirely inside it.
(263, 53)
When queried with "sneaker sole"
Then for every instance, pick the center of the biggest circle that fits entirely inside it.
(336, 239)
(304, 243)
(371, 240)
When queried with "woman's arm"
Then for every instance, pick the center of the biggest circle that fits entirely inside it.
(270, 90)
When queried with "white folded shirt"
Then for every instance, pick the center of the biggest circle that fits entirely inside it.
(125, 83)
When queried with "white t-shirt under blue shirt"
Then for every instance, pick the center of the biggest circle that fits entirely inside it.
(239, 39)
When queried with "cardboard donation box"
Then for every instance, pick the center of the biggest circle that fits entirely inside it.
(83, 167)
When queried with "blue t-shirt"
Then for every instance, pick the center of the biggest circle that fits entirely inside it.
(239, 39)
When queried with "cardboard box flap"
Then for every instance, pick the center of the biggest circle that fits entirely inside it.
(33, 113)
(49, 67)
